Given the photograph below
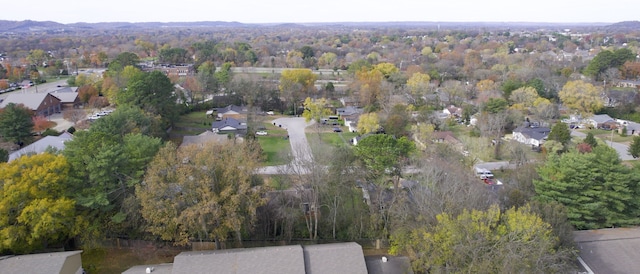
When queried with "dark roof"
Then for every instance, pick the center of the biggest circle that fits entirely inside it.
(392, 265)
(232, 108)
(275, 259)
(537, 133)
(228, 122)
(334, 258)
(349, 110)
(612, 250)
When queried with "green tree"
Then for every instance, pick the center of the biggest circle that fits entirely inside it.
(595, 187)
(127, 59)
(608, 59)
(490, 241)
(495, 105)
(383, 154)
(35, 207)
(4, 155)
(581, 96)
(16, 124)
(591, 140)
(634, 147)
(560, 133)
(154, 94)
(207, 196)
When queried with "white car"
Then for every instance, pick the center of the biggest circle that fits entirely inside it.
(261, 133)
(270, 113)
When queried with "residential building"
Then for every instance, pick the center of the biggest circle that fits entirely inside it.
(294, 259)
(534, 136)
(229, 125)
(68, 262)
(204, 138)
(40, 146)
(599, 121)
(232, 111)
(42, 104)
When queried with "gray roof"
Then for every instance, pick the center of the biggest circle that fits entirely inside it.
(334, 258)
(228, 122)
(349, 110)
(601, 118)
(232, 109)
(612, 250)
(62, 90)
(204, 138)
(45, 263)
(393, 265)
(66, 97)
(41, 145)
(30, 100)
(265, 260)
(537, 133)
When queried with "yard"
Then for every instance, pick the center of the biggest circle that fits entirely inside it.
(274, 145)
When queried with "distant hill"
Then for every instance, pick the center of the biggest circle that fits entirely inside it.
(624, 26)
(49, 26)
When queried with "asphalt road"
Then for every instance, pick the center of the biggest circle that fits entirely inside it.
(46, 87)
(622, 149)
(299, 146)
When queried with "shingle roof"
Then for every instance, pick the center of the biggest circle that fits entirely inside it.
(41, 145)
(613, 250)
(601, 118)
(228, 122)
(203, 138)
(265, 260)
(349, 110)
(44, 263)
(66, 97)
(29, 100)
(334, 258)
(537, 133)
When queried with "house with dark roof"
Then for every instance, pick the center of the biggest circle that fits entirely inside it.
(228, 125)
(452, 111)
(68, 97)
(68, 262)
(534, 136)
(232, 111)
(294, 259)
(349, 111)
(42, 104)
(40, 146)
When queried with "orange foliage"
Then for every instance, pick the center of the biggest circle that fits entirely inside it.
(41, 124)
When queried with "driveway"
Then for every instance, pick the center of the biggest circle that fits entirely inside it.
(622, 149)
(300, 148)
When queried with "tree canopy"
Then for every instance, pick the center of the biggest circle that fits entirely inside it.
(153, 93)
(200, 192)
(581, 96)
(16, 124)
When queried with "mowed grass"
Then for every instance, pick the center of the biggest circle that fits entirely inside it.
(274, 148)
(197, 119)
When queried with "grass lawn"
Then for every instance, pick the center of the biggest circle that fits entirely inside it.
(274, 147)
(195, 120)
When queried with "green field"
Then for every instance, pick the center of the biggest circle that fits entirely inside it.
(275, 149)
(197, 120)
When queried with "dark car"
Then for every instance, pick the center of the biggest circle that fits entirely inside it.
(337, 129)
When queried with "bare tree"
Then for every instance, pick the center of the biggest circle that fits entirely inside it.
(74, 115)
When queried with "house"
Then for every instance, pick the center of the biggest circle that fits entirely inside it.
(599, 121)
(349, 112)
(452, 111)
(295, 259)
(68, 97)
(232, 111)
(42, 104)
(40, 146)
(633, 128)
(628, 84)
(533, 136)
(68, 262)
(615, 97)
(610, 250)
(227, 125)
(179, 70)
(204, 138)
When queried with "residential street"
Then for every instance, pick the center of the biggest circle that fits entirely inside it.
(295, 126)
(622, 149)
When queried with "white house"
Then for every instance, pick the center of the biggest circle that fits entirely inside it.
(534, 136)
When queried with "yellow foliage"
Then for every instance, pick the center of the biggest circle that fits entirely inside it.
(581, 96)
(368, 122)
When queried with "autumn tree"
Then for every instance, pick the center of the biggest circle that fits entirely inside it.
(36, 209)
(208, 195)
(16, 124)
(368, 84)
(315, 109)
(74, 115)
(296, 84)
(85, 93)
(418, 85)
(523, 98)
(581, 97)
(368, 123)
(40, 124)
(489, 241)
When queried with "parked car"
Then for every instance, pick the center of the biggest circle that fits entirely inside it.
(261, 133)
(270, 113)
(337, 129)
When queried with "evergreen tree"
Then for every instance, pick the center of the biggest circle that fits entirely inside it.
(591, 140)
(560, 133)
(16, 124)
(634, 147)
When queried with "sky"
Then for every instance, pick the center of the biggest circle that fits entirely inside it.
(290, 11)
